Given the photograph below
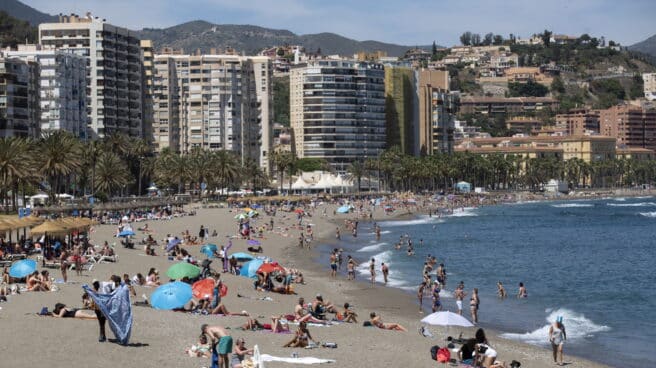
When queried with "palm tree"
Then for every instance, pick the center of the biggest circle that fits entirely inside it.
(111, 174)
(60, 155)
(16, 166)
(282, 160)
(357, 170)
(226, 168)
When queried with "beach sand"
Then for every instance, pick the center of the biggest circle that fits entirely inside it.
(159, 338)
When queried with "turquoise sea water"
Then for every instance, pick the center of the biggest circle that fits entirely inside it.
(591, 262)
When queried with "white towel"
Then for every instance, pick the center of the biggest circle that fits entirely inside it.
(304, 360)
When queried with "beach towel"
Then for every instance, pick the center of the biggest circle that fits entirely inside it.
(116, 307)
(304, 360)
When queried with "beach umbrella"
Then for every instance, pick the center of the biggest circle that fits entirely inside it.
(171, 296)
(172, 244)
(241, 216)
(22, 268)
(49, 227)
(252, 213)
(247, 209)
(203, 289)
(446, 318)
(181, 270)
(241, 256)
(299, 210)
(249, 269)
(343, 209)
(270, 268)
(208, 249)
(253, 242)
(125, 233)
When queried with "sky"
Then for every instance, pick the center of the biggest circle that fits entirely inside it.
(409, 22)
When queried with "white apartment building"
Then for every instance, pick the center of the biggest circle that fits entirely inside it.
(216, 102)
(114, 88)
(63, 84)
(19, 98)
(337, 110)
(649, 80)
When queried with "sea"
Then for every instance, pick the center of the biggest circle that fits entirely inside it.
(590, 261)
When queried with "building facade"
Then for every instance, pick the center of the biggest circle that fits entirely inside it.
(19, 98)
(632, 126)
(63, 83)
(337, 111)
(401, 108)
(510, 105)
(148, 68)
(215, 102)
(113, 54)
(579, 121)
(437, 108)
(649, 81)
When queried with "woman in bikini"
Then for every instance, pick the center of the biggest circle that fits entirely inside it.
(302, 337)
(474, 302)
(376, 321)
(61, 311)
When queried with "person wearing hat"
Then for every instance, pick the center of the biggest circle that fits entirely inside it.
(557, 337)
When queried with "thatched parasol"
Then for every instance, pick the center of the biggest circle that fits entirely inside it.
(49, 227)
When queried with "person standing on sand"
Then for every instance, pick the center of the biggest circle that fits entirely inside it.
(63, 259)
(557, 337)
(420, 295)
(522, 293)
(338, 236)
(474, 303)
(385, 271)
(372, 270)
(221, 345)
(350, 267)
(460, 296)
(437, 304)
(333, 264)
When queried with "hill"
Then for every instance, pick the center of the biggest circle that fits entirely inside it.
(251, 39)
(15, 31)
(647, 46)
(24, 12)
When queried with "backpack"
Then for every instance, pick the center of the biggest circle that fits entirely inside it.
(433, 352)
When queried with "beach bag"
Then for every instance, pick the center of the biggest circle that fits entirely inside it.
(433, 352)
(443, 355)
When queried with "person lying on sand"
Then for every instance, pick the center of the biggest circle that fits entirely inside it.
(61, 311)
(378, 322)
(278, 324)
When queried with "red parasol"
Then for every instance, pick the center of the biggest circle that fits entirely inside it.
(204, 289)
(298, 210)
(270, 268)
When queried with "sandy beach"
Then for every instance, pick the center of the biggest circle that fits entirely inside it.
(159, 338)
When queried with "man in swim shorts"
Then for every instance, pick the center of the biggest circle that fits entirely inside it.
(221, 345)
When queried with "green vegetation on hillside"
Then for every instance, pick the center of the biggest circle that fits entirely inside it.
(528, 89)
(281, 100)
(14, 31)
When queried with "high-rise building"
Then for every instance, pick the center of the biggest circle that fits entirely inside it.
(114, 88)
(337, 110)
(221, 102)
(437, 108)
(63, 83)
(579, 121)
(19, 98)
(147, 57)
(649, 83)
(631, 125)
(401, 108)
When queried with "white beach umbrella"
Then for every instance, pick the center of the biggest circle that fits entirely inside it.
(446, 319)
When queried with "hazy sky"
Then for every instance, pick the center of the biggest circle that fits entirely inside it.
(409, 22)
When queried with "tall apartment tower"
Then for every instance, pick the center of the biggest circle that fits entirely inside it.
(437, 108)
(337, 111)
(147, 57)
(401, 108)
(19, 98)
(114, 88)
(63, 83)
(632, 126)
(223, 103)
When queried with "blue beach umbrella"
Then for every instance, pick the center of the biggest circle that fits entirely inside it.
(208, 249)
(170, 296)
(22, 268)
(241, 256)
(172, 244)
(250, 268)
(125, 233)
(343, 209)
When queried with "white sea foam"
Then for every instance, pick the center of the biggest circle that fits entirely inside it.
(418, 221)
(619, 199)
(464, 212)
(572, 205)
(577, 325)
(371, 248)
(648, 214)
(639, 204)
(394, 279)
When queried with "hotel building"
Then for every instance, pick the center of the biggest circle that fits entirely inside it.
(19, 98)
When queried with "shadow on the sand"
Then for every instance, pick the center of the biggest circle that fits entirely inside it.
(131, 345)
